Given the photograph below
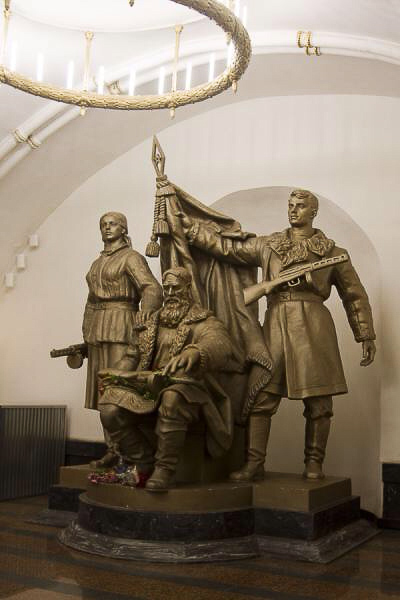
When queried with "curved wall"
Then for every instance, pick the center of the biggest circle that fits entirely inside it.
(343, 147)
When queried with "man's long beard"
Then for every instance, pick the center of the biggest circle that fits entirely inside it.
(172, 313)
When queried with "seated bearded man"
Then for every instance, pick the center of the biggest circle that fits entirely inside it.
(184, 344)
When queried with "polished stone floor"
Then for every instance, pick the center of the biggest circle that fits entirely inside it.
(34, 566)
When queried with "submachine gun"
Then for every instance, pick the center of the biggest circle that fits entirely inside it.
(291, 277)
(75, 354)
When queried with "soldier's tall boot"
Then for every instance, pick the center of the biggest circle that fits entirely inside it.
(126, 438)
(317, 432)
(136, 450)
(111, 456)
(171, 438)
(258, 429)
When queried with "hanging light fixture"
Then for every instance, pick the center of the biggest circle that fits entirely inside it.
(214, 10)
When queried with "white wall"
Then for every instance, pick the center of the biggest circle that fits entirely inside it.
(345, 148)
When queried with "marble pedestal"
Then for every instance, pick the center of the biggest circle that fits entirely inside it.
(283, 515)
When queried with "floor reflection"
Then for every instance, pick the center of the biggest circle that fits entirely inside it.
(34, 566)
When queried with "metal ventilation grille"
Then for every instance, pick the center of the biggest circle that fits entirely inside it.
(32, 448)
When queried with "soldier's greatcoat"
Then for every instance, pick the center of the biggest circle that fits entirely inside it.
(298, 328)
(199, 329)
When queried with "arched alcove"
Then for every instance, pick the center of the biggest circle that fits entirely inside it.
(213, 156)
(353, 447)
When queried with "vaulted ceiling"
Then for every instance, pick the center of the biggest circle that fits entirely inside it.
(47, 149)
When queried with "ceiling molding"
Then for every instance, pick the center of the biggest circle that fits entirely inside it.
(53, 117)
(341, 44)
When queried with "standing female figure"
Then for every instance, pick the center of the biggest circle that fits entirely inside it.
(119, 281)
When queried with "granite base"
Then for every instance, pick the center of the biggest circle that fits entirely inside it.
(323, 550)
(64, 498)
(283, 515)
(78, 538)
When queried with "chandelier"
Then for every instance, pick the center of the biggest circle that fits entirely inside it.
(237, 38)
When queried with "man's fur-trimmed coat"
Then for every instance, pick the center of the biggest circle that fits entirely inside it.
(201, 330)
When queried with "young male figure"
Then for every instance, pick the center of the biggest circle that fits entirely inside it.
(298, 328)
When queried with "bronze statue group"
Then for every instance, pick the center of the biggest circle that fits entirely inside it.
(163, 358)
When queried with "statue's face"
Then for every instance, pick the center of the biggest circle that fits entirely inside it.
(110, 229)
(301, 211)
(175, 290)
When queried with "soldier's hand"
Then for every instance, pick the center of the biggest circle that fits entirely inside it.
(185, 361)
(369, 350)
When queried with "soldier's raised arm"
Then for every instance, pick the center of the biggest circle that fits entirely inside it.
(234, 247)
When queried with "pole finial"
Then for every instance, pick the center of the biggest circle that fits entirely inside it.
(158, 157)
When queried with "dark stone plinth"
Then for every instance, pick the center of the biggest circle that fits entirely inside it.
(64, 498)
(192, 549)
(307, 525)
(323, 550)
(164, 526)
(391, 501)
(158, 551)
(214, 524)
(391, 495)
(283, 515)
(391, 473)
(79, 452)
(391, 505)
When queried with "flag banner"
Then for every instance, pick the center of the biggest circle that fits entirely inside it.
(217, 286)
